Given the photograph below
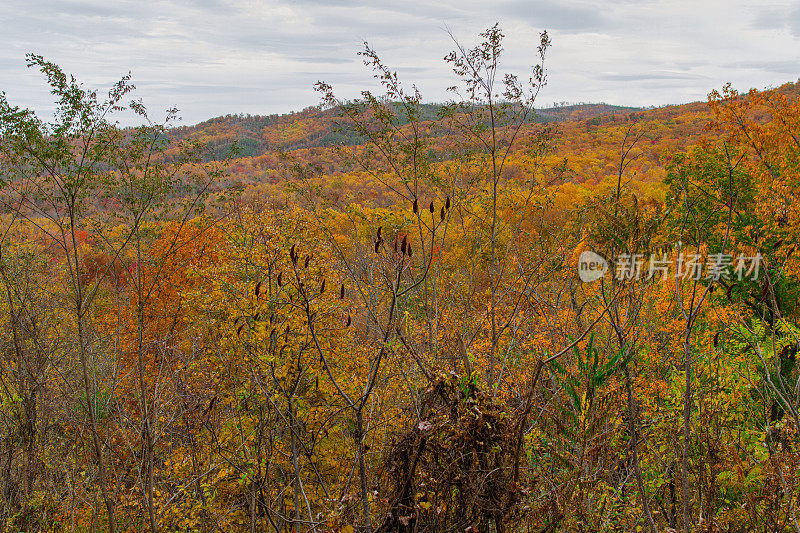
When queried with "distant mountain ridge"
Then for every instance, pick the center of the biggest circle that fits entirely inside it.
(314, 127)
(585, 149)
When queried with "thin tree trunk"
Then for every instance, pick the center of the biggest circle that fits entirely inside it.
(296, 466)
(87, 382)
(687, 418)
(362, 471)
(147, 434)
(92, 408)
(633, 427)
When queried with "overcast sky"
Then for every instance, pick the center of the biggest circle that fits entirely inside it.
(212, 57)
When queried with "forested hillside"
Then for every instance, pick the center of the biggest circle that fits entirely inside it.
(386, 315)
(583, 149)
(314, 127)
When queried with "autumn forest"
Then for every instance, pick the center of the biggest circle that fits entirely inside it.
(383, 314)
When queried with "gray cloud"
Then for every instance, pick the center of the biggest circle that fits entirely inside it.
(789, 68)
(562, 15)
(211, 57)
(649, 76)
(778, 18)
(324, 60)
